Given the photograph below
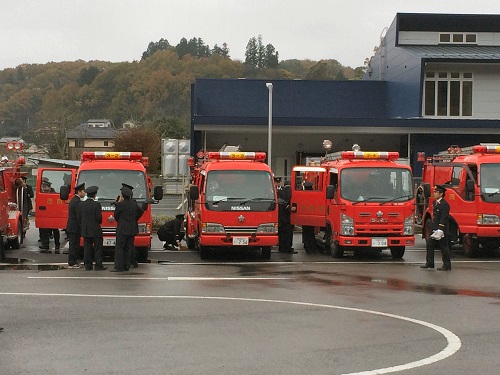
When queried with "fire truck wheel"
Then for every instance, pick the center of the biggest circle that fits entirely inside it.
(266, 252)
(16, 242)
(191, 243)
(336, 250)
(142, 254)
(397, 252)
(204, 252)
(471, 246)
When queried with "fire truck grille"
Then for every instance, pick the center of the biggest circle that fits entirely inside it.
(381, 231)
(240, 230)
(111, 231)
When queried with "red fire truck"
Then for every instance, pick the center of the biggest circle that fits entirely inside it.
(232, 203)
(14, 202)
(472, 178)
(107, 170)
(356, 200)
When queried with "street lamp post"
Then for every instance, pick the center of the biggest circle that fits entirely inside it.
(270, 124)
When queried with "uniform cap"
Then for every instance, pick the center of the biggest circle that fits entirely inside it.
(308, 184)
(277, 179)
(126, 192)
(47, 183)
(45, 179)
(91, 189)
(124, 185)
(24, 177)
(440, 188)
(80, 186)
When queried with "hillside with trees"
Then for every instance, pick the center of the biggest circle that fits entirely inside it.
(39, 102)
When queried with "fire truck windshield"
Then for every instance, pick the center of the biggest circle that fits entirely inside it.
(109, 182)
(490, 182)
(230, 189)
(376, 184)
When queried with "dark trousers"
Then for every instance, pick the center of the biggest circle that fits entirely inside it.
(74, 247)
(123, 249)
(445, 252)
(285, 237)
(45, 234)
(308, 238)
(2, 250)
(92, 245)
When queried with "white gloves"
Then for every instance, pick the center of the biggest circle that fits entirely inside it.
(437, 234)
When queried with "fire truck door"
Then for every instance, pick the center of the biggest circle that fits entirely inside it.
(308, 196)
(50, 210)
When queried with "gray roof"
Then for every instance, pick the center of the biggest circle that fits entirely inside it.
(88, 132)
(454, 52)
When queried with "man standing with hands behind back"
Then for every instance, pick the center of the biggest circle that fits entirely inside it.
(440, 230)
(73, 226)
(127, 214)
(90, 217)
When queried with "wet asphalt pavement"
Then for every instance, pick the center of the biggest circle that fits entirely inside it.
(235, 313)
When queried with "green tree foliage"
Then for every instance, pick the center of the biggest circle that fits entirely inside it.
(155, 91)
(153, 47)
(144, 139)
(87, 75)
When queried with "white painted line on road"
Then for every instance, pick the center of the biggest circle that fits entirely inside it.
(454, 342)
(171, 278)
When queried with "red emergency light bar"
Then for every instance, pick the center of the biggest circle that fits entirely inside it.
(349, 155)
(105, 155)
(225, 155)
(486, 149)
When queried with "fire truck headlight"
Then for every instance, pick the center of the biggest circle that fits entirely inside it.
(212, 228)
(144, 228)
(346, 225)
(486, 219)
(268, 228)
(409, 226)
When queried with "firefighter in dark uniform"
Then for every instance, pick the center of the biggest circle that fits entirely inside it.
(308, 236)
(285, 228)
(127, 213)
(171, 232)
(440, 230)
(73, 226)
(89, 214)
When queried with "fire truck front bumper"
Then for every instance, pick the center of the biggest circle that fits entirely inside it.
(381, 242)
(243, 240)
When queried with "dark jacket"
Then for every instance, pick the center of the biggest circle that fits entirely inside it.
(127, 212)
(170, 230)
(441, 216)
(90, 217)
(73, 224)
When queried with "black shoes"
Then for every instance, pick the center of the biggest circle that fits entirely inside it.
(444, 269)
(426, 266)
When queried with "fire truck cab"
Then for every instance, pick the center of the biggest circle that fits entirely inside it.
(357, 201)
(106, 170)
(13, 203)
(472, 178)
(232, 203)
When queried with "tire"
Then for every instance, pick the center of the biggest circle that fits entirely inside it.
(142, 254)
(16, 242)
(191, 243)
(336, 250)
(204, 252)
(471, 246)
(266, 252)
(397, 252)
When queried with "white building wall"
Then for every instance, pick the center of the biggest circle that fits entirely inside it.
(431, 38)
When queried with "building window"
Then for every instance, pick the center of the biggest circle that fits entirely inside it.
(105, 143)
(448, 94)
(457, 38)
(79, 143)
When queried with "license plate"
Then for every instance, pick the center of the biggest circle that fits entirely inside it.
(108, 242)
(240, 241)
(379, 242)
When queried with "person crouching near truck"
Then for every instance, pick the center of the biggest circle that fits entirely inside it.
(127, 213)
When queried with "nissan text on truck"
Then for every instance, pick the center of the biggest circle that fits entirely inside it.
(106, 170)
(232, 203)
(359, 201)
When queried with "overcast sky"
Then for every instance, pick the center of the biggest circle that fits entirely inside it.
(40, 31)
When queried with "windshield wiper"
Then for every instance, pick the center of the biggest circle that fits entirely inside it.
(368, 199)
(256, 199)
(393, 199)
